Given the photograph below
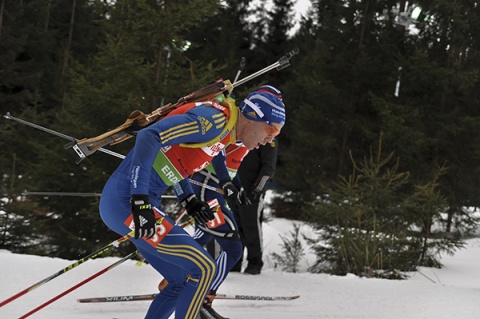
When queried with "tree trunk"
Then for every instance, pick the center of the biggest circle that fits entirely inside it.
(2, 8)
(66, 53)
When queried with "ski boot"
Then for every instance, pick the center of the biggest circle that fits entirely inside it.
(206, 311)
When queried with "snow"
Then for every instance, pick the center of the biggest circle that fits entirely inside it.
(450, 292)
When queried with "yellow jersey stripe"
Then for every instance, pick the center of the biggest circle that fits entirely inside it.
(220, 120)
(220, 125)
(175, 128)
(179, 133)
(221, 114)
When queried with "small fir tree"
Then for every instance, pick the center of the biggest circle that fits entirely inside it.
(374, 224)
(292, 251)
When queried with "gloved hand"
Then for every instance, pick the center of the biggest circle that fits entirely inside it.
(235, 194)
(199, 210)
(143, 216)
(231, 193)
(242, 194)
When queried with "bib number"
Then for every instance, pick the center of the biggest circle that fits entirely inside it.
(217, 212)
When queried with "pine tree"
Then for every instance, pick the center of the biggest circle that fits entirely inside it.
(344, 62)
(31, 35)
(438, 104)
(117, 61)
(221, 40)
(373, 223)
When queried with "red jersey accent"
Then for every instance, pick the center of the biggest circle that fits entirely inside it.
(190, 160)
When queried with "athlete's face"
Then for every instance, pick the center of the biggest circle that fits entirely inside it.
(255, 133)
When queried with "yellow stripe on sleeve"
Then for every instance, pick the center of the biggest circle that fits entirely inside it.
(179, 130)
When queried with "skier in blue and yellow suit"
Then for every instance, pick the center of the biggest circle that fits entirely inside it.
(164, 153)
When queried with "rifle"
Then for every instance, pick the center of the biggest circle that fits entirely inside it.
(88, 146)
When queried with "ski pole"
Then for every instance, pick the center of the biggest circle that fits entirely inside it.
(240, 69)
(8, 116)
(218, 190)
(124, 238)
(132, 254)
(81, 261)
(70, 267)
(42, 128)
(27, 193)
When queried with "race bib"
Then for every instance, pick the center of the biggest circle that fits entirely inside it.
(163, 227)
(217, 211)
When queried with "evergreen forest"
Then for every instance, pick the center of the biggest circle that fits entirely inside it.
(379, 151)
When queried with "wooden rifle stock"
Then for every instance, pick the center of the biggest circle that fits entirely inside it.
(88, 146)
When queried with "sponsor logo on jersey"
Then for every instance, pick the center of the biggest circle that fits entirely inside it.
(205, 124)
(199, 168)
(169, 174)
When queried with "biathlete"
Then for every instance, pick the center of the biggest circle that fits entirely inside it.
(164, 153)
(222, 173)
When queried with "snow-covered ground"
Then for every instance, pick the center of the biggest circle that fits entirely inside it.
(450, 292)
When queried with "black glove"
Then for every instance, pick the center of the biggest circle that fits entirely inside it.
(143, 216)
(242, 194)
(235, 194)
(199, 210)
(231, 194)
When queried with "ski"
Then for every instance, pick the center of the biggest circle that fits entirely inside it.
(218, 296)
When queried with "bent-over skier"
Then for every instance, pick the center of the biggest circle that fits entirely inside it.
(166, 152)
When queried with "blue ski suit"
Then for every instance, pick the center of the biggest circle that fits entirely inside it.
(224, 227)
(164, 153)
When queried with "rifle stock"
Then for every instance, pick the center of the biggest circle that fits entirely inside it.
(88, 146)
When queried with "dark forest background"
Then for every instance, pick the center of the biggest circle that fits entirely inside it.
(381, 147)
